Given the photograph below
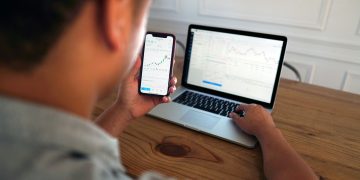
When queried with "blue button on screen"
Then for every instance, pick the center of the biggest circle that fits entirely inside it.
(145, 88)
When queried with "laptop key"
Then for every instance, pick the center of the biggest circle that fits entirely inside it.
(225, 113)
(206, 103)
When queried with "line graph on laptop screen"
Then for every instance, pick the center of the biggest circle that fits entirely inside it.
(241, 65)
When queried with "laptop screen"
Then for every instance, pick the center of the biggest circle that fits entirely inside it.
(241, 64)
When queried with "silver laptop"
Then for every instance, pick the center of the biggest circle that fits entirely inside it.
(224, 68)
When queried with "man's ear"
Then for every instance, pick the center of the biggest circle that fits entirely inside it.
(112, 17)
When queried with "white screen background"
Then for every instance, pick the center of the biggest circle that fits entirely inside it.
(241, 65)
(156, 64)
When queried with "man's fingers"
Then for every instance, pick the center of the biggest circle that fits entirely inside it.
(173, 81)
(172, 89)
(136, 66)
(238, 120)
(165, 99)
(242, 107)
(159, 100)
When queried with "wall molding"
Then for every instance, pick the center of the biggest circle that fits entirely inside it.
(316, 40)
(179, 27)
(324, 48)
(333, 56)
(319, 24)
(349, 75)
(173, 8)
(358, 29)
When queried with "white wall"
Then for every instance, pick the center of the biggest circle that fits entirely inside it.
(324, 35)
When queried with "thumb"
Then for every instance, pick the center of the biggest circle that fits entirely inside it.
(136, 67)
(240, 121)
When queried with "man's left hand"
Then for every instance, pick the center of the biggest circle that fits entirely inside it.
(134, 103)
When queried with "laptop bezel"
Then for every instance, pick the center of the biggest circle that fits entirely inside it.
(227, 95)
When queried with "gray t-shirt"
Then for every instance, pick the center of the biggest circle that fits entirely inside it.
(38, 142)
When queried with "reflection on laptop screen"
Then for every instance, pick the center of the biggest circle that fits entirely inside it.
(236, 64)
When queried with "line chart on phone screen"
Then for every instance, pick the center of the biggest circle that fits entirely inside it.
(156, 64)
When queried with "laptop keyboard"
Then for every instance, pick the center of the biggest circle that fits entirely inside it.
(206, 103)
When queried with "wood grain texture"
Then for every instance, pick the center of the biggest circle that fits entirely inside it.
(322, 125)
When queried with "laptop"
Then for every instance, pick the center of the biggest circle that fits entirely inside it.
(224, 68)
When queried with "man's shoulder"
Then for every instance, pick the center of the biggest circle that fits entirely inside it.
(27, 160)
(39, 142)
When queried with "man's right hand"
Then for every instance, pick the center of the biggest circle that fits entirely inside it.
(256, 121)
(280, 160)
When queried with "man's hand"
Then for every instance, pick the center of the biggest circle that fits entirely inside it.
(257, 121)
(132, 102)
(280, 160)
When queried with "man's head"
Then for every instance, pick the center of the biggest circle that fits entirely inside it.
(28, 29)
(88, 44)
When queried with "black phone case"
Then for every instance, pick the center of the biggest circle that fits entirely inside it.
(158, 34)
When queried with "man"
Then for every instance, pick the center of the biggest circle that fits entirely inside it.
(57, 59)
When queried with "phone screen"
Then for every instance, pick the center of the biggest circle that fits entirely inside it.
(156, 63)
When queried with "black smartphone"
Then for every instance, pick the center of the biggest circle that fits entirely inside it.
(157, 63)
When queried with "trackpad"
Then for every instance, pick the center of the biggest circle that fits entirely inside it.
(199, 120)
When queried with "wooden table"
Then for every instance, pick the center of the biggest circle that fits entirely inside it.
(323, 125)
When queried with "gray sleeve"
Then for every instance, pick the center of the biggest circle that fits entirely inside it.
(24, 161)
(31, 162)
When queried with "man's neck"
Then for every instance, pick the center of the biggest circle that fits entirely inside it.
(54, 90)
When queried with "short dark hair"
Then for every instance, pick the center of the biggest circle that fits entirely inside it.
(28, 29)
